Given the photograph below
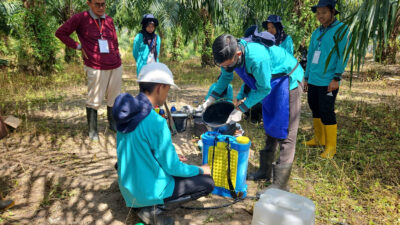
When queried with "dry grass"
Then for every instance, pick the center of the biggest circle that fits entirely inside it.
(361, 185)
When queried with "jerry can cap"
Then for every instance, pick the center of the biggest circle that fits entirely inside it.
(243, 140)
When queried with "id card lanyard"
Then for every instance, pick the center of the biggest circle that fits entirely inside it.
(103, 43)
(99, 27)
(151, 44)
(321, 35)
(150, 57)
(317, 53)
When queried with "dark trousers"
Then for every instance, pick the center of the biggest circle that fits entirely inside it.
(322, 103)
(288, 146)
(255, 113)
(193, 187)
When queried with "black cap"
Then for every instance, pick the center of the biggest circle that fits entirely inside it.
(147, 18)
(325, 3)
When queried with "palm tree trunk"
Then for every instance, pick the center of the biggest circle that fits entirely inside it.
(176, 44)
(163, 51)
(206, 52)
(393, 45)
(387, 53)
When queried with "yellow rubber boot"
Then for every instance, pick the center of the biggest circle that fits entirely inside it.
(319, 134)
(331, 136)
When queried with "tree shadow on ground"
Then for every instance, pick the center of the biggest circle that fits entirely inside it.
(57, 176)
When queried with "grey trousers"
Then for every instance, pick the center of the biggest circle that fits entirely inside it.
(287, 146)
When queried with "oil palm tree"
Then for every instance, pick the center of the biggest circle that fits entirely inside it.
(62, 10)
(211, 13)
(173, 19)
(7, 9)
(376, 21)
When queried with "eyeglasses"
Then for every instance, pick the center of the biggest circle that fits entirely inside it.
(100, 5)
(230, 65)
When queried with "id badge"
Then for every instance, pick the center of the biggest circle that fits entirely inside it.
(150, 58)
(315, 59)
(103, 46)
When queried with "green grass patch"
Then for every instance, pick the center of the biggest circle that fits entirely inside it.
(20, 93)
(54, 192)
(190, 72)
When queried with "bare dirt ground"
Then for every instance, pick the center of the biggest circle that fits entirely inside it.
(57, 176)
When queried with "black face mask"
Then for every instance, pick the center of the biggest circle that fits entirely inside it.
(229, 69)
(237, 64)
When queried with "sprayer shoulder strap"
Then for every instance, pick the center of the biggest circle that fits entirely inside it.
(231, 189)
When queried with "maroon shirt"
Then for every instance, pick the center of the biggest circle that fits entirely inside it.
(88, 33)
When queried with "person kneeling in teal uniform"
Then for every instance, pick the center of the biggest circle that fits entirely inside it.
(151, 176)
(234, 129)
(227, 94)
(274, 77)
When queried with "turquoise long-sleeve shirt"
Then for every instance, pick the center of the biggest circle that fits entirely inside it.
(141, 51)
(287, 44)
(227, 97)
(262, 62)
(315, 71)
(147, 163)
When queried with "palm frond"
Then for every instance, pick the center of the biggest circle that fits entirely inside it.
(372, 21)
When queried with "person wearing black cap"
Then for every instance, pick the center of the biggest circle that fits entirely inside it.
(274, 25)
(274, 77)
(146, 45)
(323, 83)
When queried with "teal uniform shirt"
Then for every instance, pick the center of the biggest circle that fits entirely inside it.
(315, 71)
(262, 62)
(147, 163)
(287, 44)
(227, 97)
(141, 51)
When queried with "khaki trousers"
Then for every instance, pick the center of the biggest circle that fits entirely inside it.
(288, 146)
(103, 83)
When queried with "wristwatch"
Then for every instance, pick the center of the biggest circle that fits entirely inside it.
(337, 78)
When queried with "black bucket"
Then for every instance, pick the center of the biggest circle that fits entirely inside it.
(180, 120)
(217, 114)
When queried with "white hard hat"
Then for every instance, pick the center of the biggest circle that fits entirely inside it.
(156, 73)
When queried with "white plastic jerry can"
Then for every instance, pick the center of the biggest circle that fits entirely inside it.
(277, 207)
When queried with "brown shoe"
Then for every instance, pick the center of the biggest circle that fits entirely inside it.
(6, 204)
